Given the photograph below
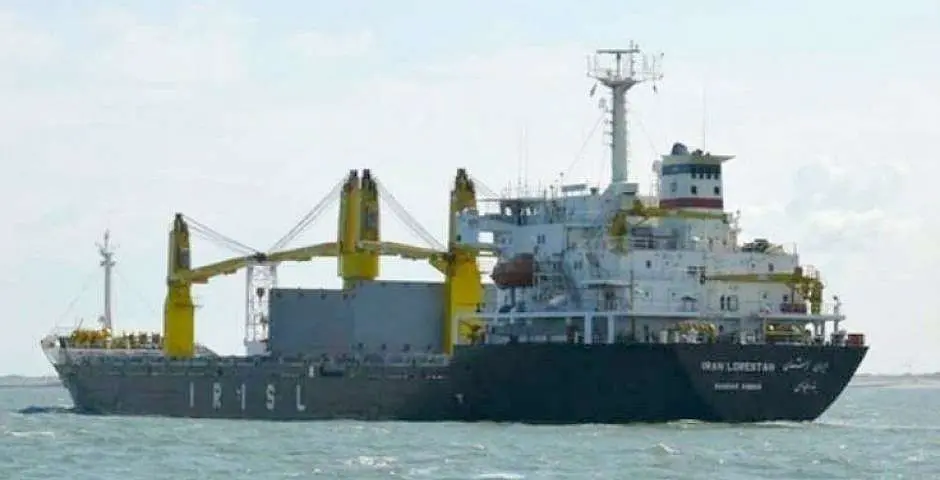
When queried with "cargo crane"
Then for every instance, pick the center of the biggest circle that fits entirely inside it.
(353, 264)
(358, 248)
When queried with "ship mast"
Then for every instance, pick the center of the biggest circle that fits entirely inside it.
(620, 77)
(107, 263)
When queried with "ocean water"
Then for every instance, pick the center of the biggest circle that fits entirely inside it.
(878, 429)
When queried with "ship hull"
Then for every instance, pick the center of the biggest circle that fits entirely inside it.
(526, 383)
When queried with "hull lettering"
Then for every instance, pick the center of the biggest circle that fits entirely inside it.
(192, 395)
(269, 397)
(737, 386)
(216, 395)
(797, 364)
(805, 387)
(738, 367)
(298, 396)
(241, 395)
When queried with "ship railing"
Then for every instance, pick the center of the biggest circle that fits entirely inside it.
(572, 327)
(734, 308)
(648, 242)
(61, 331)
(406, 359)
(690, 307)
(795, 310)
(785, 248)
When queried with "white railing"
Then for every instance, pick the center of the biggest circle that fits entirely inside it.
(645, 307)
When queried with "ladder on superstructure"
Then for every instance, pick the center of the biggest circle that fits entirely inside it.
(553, 276)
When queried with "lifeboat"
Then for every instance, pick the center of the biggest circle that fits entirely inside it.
(517, 272)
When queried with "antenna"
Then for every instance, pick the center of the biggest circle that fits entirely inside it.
(521, 161)
(620, 77)
(524, 161)
(106, 250)
(704, 111)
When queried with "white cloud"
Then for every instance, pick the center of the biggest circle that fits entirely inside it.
(201, 46)
(22, 44)
(316, 44)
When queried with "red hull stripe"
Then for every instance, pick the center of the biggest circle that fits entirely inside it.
(693, 202)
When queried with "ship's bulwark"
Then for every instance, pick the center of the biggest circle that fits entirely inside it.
(529, 383)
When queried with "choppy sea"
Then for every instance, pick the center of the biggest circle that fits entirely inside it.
(879, 428)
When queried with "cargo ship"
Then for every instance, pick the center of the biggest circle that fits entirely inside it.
(605, 305)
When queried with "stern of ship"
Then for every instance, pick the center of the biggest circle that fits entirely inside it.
(748, 383)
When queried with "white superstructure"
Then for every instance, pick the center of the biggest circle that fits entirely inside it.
(644, 268)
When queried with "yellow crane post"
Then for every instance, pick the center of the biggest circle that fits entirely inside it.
(348, 235)
(463, 288)
(178, 323)
(366, 263)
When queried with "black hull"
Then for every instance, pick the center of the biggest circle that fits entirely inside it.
(526, 383)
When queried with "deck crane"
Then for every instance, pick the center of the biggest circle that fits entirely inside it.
(358, 260)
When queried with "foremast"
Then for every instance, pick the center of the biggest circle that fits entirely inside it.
(106, 251)
(619, 76)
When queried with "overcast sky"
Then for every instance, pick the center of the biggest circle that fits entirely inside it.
(243, 116)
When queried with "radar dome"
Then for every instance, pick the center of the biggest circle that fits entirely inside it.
(679, 149)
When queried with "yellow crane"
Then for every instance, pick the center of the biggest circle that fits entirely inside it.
(357, 248)
(358, 220)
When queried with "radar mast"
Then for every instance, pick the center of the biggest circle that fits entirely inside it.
(620, 76)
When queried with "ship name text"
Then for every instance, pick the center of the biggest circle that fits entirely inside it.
(736, 386)
(738, 367)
